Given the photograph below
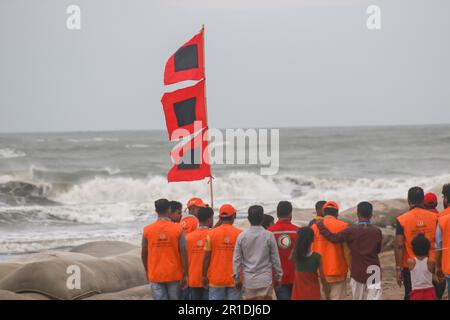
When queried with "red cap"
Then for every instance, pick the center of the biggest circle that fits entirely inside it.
(195, 202)
(431, 199)
(331, 204)
(226, 210)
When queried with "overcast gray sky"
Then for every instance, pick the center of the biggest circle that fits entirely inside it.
(269, 63)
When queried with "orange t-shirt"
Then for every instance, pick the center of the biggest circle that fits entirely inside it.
(164, 262)
(417, 221)
(189, 224)
(444, 224)
(195, 244)
(221, 241)
(333, 255)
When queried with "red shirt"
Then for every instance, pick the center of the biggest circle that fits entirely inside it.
(286, 236)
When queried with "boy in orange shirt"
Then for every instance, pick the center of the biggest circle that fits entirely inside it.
(196, 241)
(217, 273)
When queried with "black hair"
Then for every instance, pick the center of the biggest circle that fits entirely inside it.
(284, 209)
(319, 205)
(175, 205)
(204, 214)
(227, 218)
(421, 245)
(365, 210)
(162, 206)
(305, 237)
(268, 220)
(446, 191)
(416, 195)
(330, 212)
(255, 215)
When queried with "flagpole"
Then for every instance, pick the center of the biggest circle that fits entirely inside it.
(211, 190)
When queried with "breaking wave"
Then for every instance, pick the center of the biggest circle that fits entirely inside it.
(9, 153)
(121, 199)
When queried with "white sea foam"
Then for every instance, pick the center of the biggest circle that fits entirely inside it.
(9, 153)
(244, 188)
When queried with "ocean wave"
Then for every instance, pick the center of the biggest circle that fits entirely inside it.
(122, 199)
(94, 139)
(9, 153)
(245, 188)
(137, 146)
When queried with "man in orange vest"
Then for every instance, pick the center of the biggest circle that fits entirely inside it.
(190, 222)
(443, 240)
(217, 273)
(408, 226)
(196, 241)
(334, 255)
(164, 255)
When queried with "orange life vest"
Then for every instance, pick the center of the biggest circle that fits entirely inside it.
(221, 242)
(444, 213)
(333, 257)
(164, 262)
(444, 224)
(195, 243)
(417, 221)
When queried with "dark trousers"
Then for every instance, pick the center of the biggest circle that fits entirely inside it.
(439, 287)
(198, 294)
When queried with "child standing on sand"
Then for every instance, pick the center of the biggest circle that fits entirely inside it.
(308, 269)
(422, 270)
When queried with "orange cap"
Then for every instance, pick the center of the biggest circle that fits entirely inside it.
(195, 202)
(331, 204)
(226, 210)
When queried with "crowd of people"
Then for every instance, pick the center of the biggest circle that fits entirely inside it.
(191, 258)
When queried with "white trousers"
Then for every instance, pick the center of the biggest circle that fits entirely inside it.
(374, 292)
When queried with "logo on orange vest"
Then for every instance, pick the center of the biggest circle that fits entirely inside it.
(162, 236)
(226, 240)
(284, 241)
(200, 243)
(420, 223)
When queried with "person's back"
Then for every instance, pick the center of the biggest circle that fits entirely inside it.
(364, 242)
(195, 244)
(285, 235)
(256, 254)
(164, 254)
(164, 263)
(417, 220)
(333, 255)
(422, 270)
(222, 240)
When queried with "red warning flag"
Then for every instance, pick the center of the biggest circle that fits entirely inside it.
(187, 62)
(185, 109)
(191, 160)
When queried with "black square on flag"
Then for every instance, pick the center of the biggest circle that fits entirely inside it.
(185, 111)
(186, 58)
(191, 159)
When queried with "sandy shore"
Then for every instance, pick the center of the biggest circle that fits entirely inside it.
(113, 269)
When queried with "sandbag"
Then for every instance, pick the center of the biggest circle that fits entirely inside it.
(46, 273)
(102, 249)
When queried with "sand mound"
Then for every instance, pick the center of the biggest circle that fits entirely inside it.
(384, 212)
(101, 249)
(47, 273)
